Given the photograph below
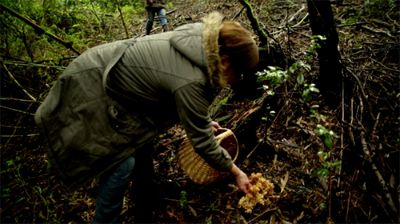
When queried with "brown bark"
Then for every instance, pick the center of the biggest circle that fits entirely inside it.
(322, 23)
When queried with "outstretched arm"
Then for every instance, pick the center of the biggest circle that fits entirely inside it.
(242, 180)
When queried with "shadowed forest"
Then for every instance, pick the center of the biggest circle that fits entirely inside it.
(322, 123)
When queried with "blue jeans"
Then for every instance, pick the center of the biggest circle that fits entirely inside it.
(112, 187)
(151, 12)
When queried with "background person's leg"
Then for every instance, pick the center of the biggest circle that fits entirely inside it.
(112, 187)
(162, 14)
(150, 20)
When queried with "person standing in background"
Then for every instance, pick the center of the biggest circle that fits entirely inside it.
(154, 7)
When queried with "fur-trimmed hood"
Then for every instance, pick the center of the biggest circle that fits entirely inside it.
(199, 43)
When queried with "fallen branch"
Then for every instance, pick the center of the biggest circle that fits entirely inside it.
(378, 175)
(14, 136)
(364, 96)
(122, 19)
(261, 214)
(19, 100)
(297, 13)
(254, 23)
(16, 110)
(30, 64)
(37, 28)
(18, 84)
(387, 33)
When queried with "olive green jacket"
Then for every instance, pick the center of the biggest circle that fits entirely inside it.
(116, 97)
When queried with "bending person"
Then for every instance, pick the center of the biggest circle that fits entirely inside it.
(109, 105)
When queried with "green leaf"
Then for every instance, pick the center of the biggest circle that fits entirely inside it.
(10, 162)
(328, 141)
(300, 79)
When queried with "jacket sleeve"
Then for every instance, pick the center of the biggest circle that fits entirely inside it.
(192, 106)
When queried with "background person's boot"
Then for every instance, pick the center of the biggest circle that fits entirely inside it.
(165, 28)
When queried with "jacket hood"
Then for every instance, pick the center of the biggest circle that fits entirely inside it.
(199, 43)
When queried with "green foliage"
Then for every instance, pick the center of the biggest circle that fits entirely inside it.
(183, 200)
(21, 40)
(218, 104)
(372, 8)
(376, 7)
(13, 166)
(316, 41)
(299, 68)
(327, 136)
(170, 4)
(31, 195)
(328, 166)
(83, 23)
(209, 220)
(271, 114)
(353, 16)
(130, 11)
(275, 76)
(308, 90)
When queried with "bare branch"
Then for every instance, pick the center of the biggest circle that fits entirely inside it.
(14, 136)
(18, 84)
(37, 28)
(378, 175)
(254, 23)
(20, 100)
(16, 110)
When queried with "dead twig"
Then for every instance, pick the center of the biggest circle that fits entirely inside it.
(19, 100)
(16, 110)
(262, 34)
(386, 67)
(377, 31)
(30, 64)
(261, 214)
(122, 19)
(18, 84)
(14, 136)
(303, 6)
(364, 96)
(382, 182)
(254, 149)
(376, 124)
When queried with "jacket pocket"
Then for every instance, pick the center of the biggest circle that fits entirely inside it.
(130, 124)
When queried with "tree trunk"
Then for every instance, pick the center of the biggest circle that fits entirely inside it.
(271, 53)
(322, 23)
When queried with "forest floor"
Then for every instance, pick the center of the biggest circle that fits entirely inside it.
(328, 164)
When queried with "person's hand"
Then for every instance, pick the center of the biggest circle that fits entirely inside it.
(242, 180)
(215, 126)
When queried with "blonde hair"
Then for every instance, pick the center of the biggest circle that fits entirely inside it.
(237, 43)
